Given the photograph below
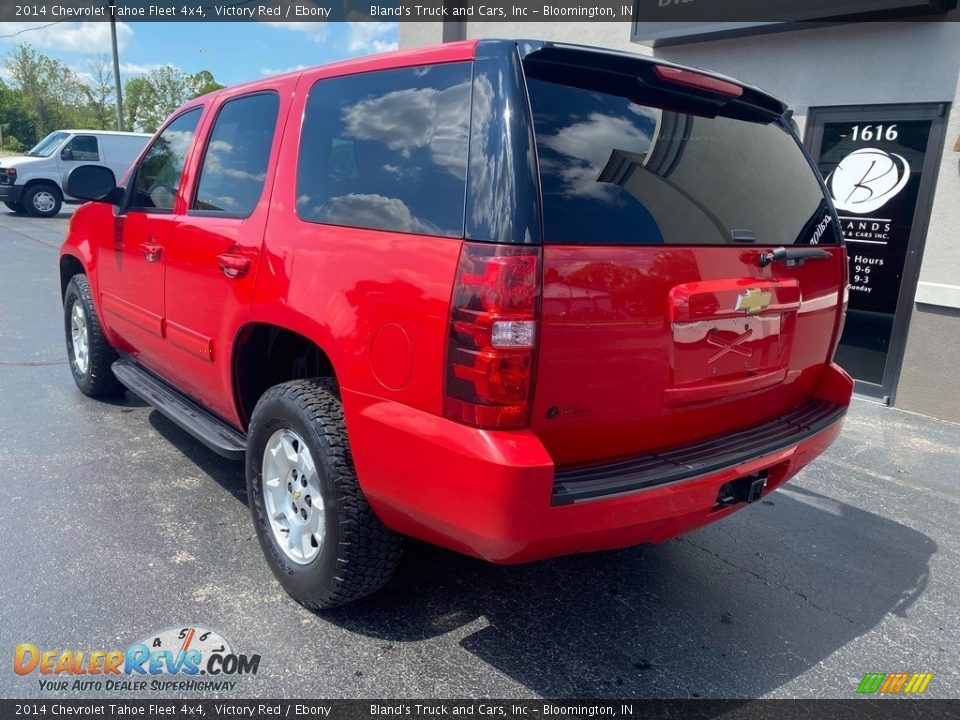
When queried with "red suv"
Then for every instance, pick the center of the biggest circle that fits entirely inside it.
(518, 299)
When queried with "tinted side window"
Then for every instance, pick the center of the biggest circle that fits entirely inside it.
(84, 147)
(387, 150)
(235, 163)
(614, 171)
(158, 177)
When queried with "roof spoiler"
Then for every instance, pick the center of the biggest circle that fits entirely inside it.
(657, 81)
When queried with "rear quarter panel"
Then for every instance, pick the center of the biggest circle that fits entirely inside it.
(376, 302)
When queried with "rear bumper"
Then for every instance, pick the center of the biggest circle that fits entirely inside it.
(493, 494)
(11, 193)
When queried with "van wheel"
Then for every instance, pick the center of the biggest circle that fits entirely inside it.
(17, 207)
(42, 200)
(90, 355)
(320, 537)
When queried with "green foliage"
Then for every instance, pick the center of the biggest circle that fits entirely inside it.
(44, 94)
(11, 143)
(16, 125)
(52, 92)
(203, 82)
(99, 93)
(149, 99)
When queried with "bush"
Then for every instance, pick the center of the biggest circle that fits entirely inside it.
(12, 144)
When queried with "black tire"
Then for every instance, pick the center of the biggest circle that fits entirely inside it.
(42, 191)
(16, 207)
(97, 379)
(358, 554)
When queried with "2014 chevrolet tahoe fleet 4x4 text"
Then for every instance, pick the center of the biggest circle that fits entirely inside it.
(518, 299)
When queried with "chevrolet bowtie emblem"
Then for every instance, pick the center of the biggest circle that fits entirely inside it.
(753, 301)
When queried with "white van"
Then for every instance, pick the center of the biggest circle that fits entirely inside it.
(33, 183)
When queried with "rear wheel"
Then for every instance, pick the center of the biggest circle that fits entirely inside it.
(42, 200)
(17, 207)
(89, 353)
(321, 539)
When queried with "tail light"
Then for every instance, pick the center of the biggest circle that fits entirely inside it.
(492, 335)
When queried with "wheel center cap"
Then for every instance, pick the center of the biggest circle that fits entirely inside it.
(296, 494)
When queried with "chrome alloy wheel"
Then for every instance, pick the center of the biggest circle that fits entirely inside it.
(44, 201)
(292, 497)
(78, 334)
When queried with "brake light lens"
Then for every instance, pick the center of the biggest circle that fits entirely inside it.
(492, 335)
(697, 80)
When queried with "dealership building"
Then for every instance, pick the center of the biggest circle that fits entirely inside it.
(878, 96)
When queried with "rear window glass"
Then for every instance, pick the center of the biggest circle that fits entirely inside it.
(387, 150)
(616, 172)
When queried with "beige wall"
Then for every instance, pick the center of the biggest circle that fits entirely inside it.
(929, 382)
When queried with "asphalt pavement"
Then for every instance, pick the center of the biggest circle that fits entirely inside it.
(115, 525)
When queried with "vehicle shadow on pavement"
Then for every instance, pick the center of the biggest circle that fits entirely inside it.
(228, 474)
(734, 610)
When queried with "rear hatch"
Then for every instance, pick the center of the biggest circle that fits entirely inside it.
(661, 322)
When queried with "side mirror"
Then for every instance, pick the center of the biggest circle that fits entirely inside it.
(93, 182)
(66, 154)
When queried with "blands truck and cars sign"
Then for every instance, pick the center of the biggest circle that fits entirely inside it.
(873, 172)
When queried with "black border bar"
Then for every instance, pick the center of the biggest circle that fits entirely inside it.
(655, 13)
(192, 709)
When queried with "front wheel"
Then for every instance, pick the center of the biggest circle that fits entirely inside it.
(320, 537)
(42, 200)
(89, 353)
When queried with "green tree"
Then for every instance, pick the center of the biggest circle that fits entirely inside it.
(138, 101)
(53, 94)
(17, 129)
(202, 83)
(149, 99)
(99, 93)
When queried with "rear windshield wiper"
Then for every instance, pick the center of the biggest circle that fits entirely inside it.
(792, 255)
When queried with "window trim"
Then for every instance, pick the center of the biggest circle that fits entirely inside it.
(131, 190)
(198, 212)
(379, 71)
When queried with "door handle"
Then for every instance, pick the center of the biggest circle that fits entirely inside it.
(151, 251)
(233, 266)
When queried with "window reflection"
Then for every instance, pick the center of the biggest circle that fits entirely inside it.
(387, 150)
(613, 171)
(235, 165)
(158, 177)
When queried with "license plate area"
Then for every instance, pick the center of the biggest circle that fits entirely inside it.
(730, 337)
(725, 348)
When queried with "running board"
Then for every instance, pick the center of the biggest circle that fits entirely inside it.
(203, 425)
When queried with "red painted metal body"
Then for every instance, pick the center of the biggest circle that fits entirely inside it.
(631, 319)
